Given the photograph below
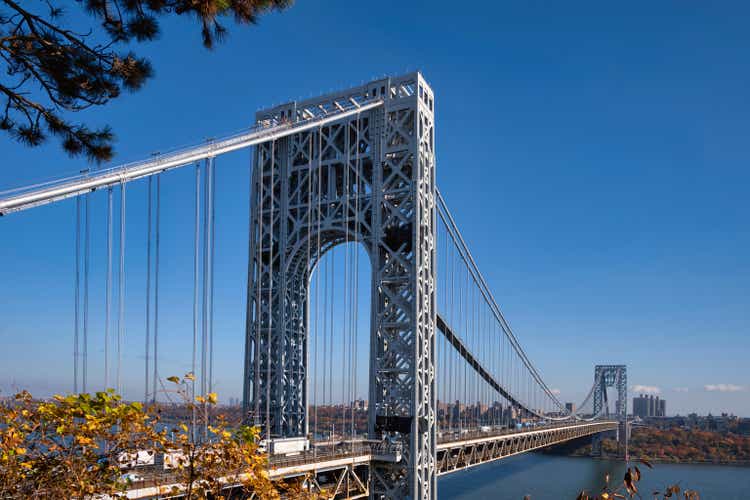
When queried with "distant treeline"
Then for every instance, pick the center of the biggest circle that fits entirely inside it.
(674, 445)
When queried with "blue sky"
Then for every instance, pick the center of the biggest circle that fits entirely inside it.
(595, 156)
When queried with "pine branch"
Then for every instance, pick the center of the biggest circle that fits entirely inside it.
(49, 70)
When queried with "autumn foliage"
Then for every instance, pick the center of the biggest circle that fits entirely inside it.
(74, 447)
(681, 445)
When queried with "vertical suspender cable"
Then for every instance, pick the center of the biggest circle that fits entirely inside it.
(212, 259)
(324, 366)
(346, 368)
(358, 165)
(347, 375)
(270, 291)
(497, 370)
(444, 381)
(76, 320)
(121, 295)
(327, 298)
(207, 271)
(465, 314)
(496, 362)
(258, 282)
(204, 307)
(258, 279)
(148, 286)
(453, 320)
(86, 252)
(324, 270)
(308, 281)
(473, 331)
(196, 242)
(479, 338)
(206, 276)
(206, 287)
(108, 291)
(476, 339)
(156, 290)
(331, 296)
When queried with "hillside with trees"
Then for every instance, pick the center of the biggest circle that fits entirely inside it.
(676, 445)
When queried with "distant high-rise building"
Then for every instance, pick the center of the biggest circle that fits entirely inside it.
(649, 406)
(640, 406)
(570, 407)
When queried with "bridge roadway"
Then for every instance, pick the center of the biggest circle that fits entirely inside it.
(341, 469)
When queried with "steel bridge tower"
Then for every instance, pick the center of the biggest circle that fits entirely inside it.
(611, 376)
(368, 178)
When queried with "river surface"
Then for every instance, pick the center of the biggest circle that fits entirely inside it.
(552, 477)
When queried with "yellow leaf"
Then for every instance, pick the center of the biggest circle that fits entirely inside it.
(190, 376)
(212, 398)
(173, 379)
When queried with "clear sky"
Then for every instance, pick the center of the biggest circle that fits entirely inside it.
(596, 157)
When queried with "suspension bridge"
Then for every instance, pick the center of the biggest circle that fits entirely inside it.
(342, 186)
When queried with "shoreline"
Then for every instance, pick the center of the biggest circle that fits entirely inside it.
(738, 463)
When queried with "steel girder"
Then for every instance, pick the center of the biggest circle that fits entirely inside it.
(368, 178)
(454, 456)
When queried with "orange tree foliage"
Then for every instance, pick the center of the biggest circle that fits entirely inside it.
(74, 446)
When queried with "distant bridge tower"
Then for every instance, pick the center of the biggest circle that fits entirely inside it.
(616, 376)
(368, 178)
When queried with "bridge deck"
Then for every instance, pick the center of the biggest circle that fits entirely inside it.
(478, 448)
(455, 451)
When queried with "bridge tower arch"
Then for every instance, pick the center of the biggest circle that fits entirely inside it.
(370, 178)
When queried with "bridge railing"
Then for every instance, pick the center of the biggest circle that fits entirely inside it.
(459, 435)
(319, 454)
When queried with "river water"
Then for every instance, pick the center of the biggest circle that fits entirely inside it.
(553, 477)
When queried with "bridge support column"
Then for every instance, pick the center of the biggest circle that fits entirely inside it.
(373, 181)
(615, 376)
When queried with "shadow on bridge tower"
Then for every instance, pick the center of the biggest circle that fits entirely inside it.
(369, 178)
(611, 376)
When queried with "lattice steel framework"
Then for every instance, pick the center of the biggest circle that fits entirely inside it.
(368, 178)
(611, 376)
(476, 450)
